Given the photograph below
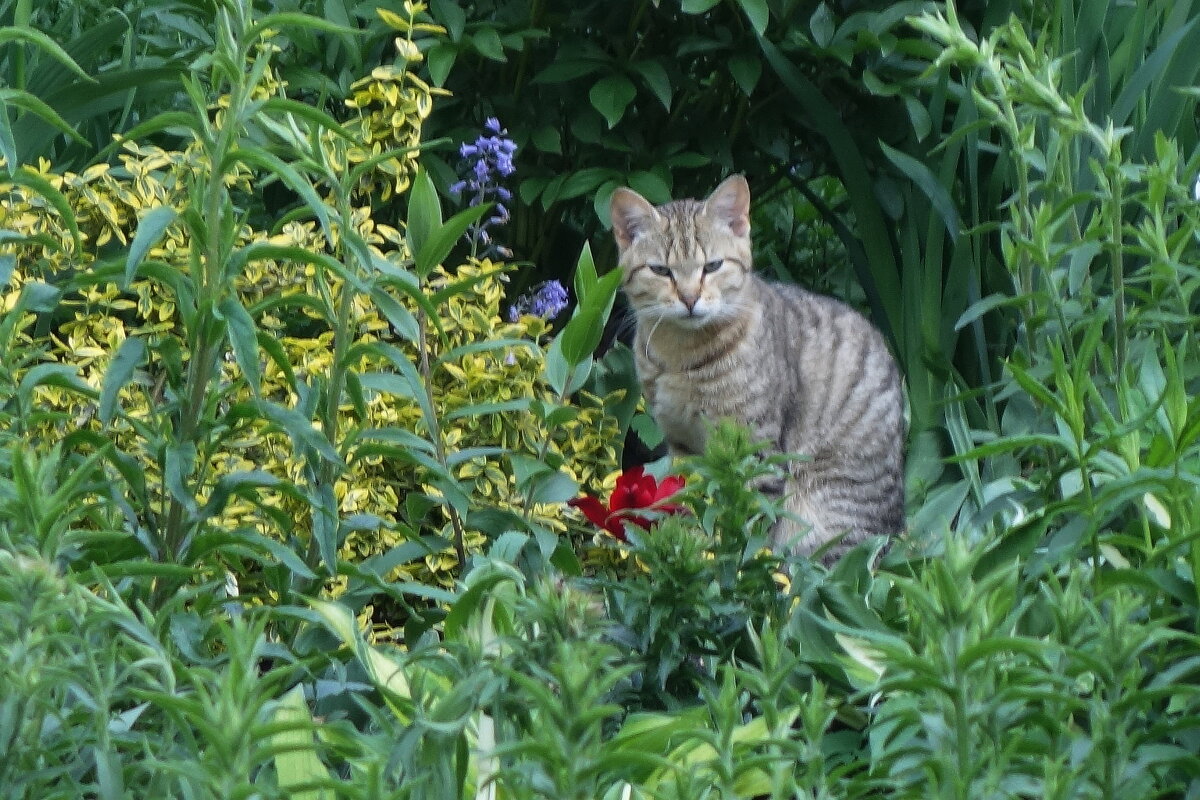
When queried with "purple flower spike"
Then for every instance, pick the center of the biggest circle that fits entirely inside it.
(484, 162)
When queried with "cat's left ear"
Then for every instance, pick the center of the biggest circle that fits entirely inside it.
(730, 203)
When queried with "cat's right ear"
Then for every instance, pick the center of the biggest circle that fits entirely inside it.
(631, 214)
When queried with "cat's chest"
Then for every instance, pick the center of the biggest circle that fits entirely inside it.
(685, 407)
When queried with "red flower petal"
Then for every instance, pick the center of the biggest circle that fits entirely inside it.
(669, 486)
(592, 508)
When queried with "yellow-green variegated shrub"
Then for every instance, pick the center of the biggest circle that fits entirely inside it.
(92, 321)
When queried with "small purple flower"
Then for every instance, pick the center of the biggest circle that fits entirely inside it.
(484, 162)
(547, 300)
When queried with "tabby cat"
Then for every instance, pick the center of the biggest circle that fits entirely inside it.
(805, 372)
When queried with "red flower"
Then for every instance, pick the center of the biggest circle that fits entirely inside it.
(635, 489)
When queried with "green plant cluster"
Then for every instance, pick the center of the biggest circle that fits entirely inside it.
(282, 491)
(119, 334)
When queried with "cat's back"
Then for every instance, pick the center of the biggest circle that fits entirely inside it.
(842, 382)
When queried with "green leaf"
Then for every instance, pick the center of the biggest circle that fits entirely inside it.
(324, 506)
(611, 96)
(120, 370)
(442, 241)
(38, 107)
(61, 375)
(293, 19)
(697, 6)
(554, 487)
(441, 58)
(651, 186)
(928, 183)
(657, 79)
(298, 427)
(647, 430)
(585, 272)
(297, 764)
(451, 15)
(547, 139)
(8, 144)
(307, 112)
(821, 25)
(585, 180)
(746, 71)
(242, 335)
(400, 318)
(424, 212)
(757, 12)
(38, 39)
(487, 42)
(256, 157)
(981, 307)
(149, 230)
(582, 334)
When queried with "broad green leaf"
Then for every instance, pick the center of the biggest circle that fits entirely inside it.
(450, 14)
(657, 79)
(758, 14)
(611, 96)
(555, 487)
(582, 334)
(585, 272)
(821, 25)
(585, 180)
(697, 6)
(746, 70)
(150, 230)
(120, 370)
(441, 58)
(297, 764)
(443, 239)
(487, 42)
(243, 337)
(424, 212)
(651, 186)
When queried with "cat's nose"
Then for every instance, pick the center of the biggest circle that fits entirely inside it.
(689, 301)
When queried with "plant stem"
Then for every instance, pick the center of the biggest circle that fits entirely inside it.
(435, 434)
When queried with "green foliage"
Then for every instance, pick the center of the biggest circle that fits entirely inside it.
(282, 492)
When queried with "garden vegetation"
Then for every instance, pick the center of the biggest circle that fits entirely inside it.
(318, 442)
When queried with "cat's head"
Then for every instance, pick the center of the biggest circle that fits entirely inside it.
(686, 262)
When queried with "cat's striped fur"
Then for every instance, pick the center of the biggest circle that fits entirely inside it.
(805, 372)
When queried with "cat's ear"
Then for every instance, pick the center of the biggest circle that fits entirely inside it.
(730, 203)
(631, 214)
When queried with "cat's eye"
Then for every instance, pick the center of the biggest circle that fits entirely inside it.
(713, 266)
(659, 269)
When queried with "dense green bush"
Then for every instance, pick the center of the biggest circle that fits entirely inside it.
(283, 489)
